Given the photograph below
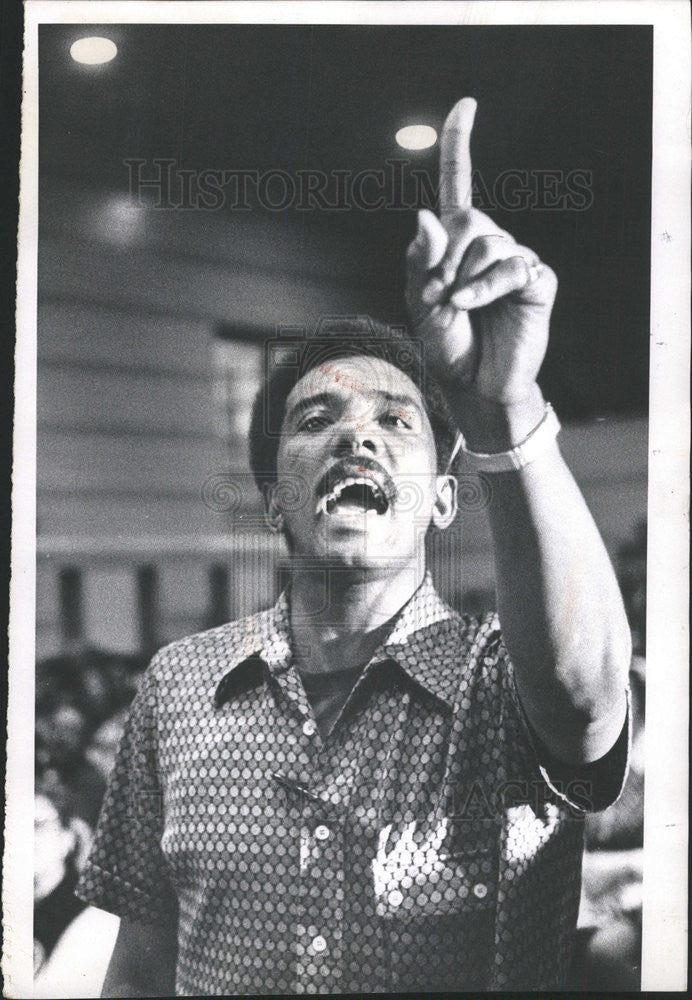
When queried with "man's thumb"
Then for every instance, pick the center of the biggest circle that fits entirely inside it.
(430, 242)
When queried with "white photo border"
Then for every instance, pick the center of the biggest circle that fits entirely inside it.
(664, 965)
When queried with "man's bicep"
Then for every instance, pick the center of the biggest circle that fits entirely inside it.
(590, 787)
(143, 961)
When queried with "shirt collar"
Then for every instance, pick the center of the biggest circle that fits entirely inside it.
(425, 644)
(417, 643)
(423, 609)
(265, 642)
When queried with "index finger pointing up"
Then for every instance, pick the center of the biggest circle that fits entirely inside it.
(455, 158)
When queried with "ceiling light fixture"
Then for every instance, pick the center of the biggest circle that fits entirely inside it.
(416, 137)
(121, 220)
(93, 50)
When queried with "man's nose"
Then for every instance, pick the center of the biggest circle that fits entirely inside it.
(353, 438)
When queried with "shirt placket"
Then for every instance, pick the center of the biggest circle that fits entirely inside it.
(319, 927)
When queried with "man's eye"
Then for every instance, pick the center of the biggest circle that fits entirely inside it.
(396, 420)
(313, 423)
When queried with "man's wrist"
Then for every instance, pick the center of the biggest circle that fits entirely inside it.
(489, 426)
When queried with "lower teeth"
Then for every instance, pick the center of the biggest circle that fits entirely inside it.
(329, 504)
(329, 507)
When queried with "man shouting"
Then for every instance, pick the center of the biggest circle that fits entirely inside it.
(360, 790)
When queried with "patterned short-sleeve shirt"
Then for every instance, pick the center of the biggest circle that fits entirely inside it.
(425, 845)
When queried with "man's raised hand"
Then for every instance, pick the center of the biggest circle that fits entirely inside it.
(481, 301)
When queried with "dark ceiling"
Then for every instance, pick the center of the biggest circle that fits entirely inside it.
(331, 98)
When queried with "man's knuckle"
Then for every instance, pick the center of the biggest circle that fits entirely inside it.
(517, 266)
(487, 244)
(476, 252)
(550, 277)
(457, 224)
(483, 287)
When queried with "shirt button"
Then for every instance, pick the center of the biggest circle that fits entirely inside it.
(480, 891)
(395, 897)
(322, 832)
(309, 727)
(319, 944)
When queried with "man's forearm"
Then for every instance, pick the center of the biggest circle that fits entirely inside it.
(562, 615)
(560, 608)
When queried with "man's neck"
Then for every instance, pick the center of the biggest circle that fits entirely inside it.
(338, 619)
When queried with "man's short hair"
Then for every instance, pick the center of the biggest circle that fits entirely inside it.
(344, 337)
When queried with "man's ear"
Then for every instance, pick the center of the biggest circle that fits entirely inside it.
(272, 514)
(445, 506)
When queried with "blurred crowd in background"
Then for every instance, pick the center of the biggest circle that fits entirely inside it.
(82, 700)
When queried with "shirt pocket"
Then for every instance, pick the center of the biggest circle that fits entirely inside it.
(439, 925)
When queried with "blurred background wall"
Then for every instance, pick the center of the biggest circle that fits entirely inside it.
(152, 325)
(156, 298)
(157, 293)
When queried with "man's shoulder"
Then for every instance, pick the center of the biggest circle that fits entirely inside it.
(459, 626)
(213, 648)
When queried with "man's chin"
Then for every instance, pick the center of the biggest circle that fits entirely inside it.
(354, 547)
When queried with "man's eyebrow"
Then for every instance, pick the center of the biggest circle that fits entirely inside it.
(403, 400)
(318, 399)
(399, 399)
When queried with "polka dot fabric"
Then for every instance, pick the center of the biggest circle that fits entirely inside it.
(421, 847)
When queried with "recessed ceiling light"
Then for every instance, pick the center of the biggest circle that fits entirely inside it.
(93, 50)
(416, 136)
(120, 219)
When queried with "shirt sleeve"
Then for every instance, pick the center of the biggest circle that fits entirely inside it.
(126, 872)
(585, 788)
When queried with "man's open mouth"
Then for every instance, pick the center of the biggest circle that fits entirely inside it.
(353, 494)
